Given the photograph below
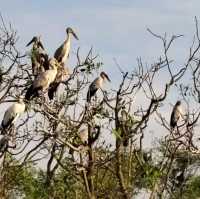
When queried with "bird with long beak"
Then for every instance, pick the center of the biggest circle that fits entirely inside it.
(12, 114)
(176, 115)
(43, 80)
(96, 84)
(62, 53)
(39, 58)
(61, 76)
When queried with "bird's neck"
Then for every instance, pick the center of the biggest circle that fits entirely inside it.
(35, 46)
(69, 36)
(101, 80)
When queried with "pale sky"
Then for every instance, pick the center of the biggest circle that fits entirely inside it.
(115, 28)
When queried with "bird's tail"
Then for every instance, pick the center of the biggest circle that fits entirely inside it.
(88, 97)
(3, 144)
(173, 124)
(31, 92)
(4, 129)
(52, 89)
(91, 92)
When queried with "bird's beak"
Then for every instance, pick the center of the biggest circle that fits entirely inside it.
(75, 36)
(32, 40)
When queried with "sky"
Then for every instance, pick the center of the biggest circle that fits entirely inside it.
(116, 29)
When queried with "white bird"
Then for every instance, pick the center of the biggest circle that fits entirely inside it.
(176, 115)
(62, 53)
(62, 75)
(43, 80)
(39, 58)
(12, 113)
(96, 84)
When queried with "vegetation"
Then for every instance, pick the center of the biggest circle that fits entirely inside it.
(46, 158)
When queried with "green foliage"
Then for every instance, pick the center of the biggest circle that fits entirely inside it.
(192, 189)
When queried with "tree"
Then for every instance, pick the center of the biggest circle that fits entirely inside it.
(48, 133)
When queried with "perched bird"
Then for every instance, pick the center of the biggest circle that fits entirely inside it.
(62, 75)
(12, 113)
(84, 138)
(43, 80)
(62, 53)
(176, 115)
(39, 58)
(36, 43)
(83, 134)
(96, 84)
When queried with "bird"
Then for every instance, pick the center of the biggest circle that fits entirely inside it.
(43, 80)
(12, 113)
(176, 114)
(39, 58)
(62, 53)
(83, 135)
(96, 84)
(62, 74)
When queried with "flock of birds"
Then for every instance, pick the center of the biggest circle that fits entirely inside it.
(48, 73)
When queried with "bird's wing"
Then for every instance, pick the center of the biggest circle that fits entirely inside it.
(92, 90)
(8, 118)
(45, 62)
(173, 119)
(180, 113)
(52, 89)
(3, 143)
(59, 53)
(41, 80)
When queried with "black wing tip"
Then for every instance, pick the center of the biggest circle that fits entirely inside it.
(52, 90)
(88, 97)
(173, 125)
(28, 93)
(50, 95)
